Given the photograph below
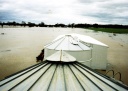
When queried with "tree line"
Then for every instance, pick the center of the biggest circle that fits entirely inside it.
(73, 25)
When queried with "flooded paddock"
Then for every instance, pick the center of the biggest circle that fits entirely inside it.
(19, 47)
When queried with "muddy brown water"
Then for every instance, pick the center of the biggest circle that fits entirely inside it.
(20, 46)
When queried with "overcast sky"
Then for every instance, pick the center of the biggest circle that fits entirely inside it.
(65, 11)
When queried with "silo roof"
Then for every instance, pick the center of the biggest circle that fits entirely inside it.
(61, 56)
(89, 39)
(84, 38)
(57, 76)
(67, 42)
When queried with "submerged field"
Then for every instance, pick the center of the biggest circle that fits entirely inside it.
(20, 46)
(111, 30)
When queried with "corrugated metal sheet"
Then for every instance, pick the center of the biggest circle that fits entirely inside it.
(60, 76)
(84, 48)
(99, 57)
(89, 39)
(83, 38)
(61, 56)
(67, 42)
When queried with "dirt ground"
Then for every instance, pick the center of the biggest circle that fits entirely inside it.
(20, 46)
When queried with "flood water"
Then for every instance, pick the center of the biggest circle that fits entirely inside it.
(20, 46)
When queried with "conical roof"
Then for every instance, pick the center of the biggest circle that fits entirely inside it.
(88, 39)
(67, 42)
(80, 38)
(61, 56)
(56, 76)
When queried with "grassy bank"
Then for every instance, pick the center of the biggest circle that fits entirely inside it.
(110, 30)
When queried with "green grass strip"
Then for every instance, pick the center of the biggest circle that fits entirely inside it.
(110, 30)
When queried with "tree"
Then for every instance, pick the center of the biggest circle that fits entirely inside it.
(23, 23)
(41, 24)
(31, 24)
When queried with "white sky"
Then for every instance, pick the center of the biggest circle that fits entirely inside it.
(65, 11)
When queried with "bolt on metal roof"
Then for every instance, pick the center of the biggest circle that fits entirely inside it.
(67, 42)
(70, 40)
(60, 76)
(61, 56)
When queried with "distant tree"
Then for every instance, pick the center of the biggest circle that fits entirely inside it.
(1, 24)
(73, 25)
(31, 24)
(80, 25)
(60, 25)
(14, 23)
(41, 24)
(95, 25)
(23, 23)
(69, 25)
(87, 25)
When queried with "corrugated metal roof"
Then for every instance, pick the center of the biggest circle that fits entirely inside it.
(61, 56)
(83, 38)
(89, 39)
(67, 42)
(60, 76)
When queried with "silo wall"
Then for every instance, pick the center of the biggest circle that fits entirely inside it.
(81, 56)
(99, 57)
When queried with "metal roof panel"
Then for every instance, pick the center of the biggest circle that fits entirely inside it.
(58, 76)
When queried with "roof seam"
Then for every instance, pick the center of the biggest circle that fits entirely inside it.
(59, 43)
(88, 78)
(54, 41)
(20, 75)
(76, 78)
(104, 76)
(40, 76)
(21, 71)
(98, 78)
(27, 77)
(52, 77)
(64, 78)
